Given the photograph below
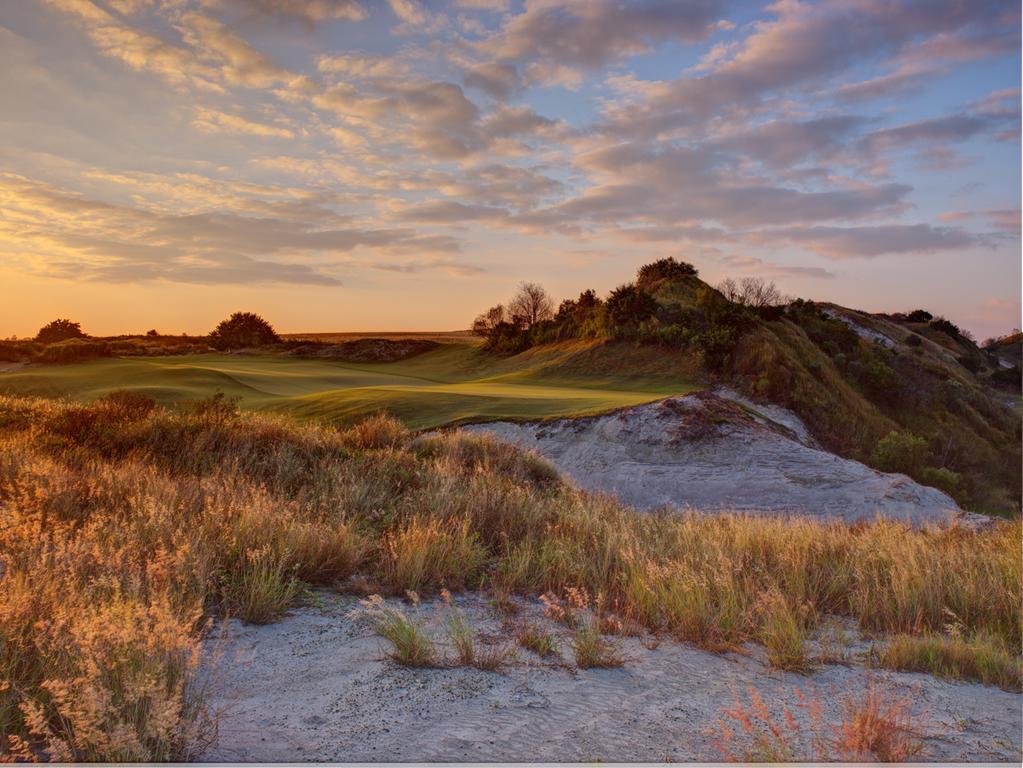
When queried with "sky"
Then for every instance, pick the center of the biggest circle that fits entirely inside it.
(401, 165)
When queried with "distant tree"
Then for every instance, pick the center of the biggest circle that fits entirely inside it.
(485, 324)
(919, 316)
(59, 330)
(152, 332)
(752, 292)
(531, 305)
(629, 305)
(243, 329)
(650, 275)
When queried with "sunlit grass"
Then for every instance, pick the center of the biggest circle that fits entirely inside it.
(125, 528)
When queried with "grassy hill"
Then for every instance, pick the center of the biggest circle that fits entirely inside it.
(453, 383)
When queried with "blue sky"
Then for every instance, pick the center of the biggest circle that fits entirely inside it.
(347, 164)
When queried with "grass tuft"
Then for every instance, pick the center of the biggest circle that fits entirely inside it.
(410, 640)
(982, 658)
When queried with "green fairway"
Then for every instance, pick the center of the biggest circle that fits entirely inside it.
(452, 384)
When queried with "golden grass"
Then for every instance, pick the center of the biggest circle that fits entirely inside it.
(123, 528)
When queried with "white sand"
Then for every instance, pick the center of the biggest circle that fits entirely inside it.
(316, 686)
(720, 452)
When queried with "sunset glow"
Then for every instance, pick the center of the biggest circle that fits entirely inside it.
(360, 165)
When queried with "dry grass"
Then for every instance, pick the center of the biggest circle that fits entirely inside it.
(125, 527)
(410, 640)
(783, 634)
(532, 638)
(983, 658)
(871, 724)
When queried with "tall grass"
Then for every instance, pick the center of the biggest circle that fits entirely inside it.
(124, 527)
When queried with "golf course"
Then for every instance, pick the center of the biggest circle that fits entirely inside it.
(452, 383)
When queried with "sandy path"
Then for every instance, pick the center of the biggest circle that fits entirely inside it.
(315, 687)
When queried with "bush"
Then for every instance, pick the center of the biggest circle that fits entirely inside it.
(74, 350)
(629, 305)
(900, 452)
(946, 327)
(59, 330)
(650, 276)
(243, 329)
(919, 316)
(914, 340)
(943, 479)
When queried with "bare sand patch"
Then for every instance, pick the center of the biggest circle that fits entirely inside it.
(317, 686)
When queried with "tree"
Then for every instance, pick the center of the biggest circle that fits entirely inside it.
(531, 305)
(485, 324)
(243, 329)
(752, 292)
(59, 330)
(919, 316)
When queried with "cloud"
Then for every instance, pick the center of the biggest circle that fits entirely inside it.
(55, 232)
(806, 43)
(214, 121)
(310, 12)
(872, 241)
(751, 265)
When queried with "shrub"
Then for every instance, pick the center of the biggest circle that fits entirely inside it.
(74, 351)
(900, 452)
(59, 330)
(919, 316)
(243, 329)
(944, 479)
(629, 305)
(914, 340)
(946, 327)
(650, 276)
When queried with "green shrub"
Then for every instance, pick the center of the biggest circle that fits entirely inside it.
(900, 452)
(944, 479)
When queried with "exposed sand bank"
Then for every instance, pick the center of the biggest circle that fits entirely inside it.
(719, 452)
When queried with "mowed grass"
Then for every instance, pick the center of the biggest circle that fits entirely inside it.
(455, 383)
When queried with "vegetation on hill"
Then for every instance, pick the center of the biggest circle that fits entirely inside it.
(910, 393)
(127, 526)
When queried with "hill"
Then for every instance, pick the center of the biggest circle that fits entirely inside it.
(907, 393)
